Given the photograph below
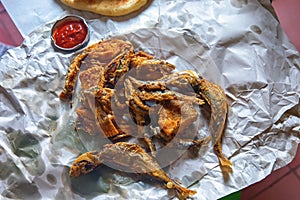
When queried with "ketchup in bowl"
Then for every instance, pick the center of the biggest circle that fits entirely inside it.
(70, 33)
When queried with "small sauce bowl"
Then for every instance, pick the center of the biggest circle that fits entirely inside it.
(70, 33)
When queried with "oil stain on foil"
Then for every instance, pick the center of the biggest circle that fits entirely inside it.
(256, 29)
(239, 3)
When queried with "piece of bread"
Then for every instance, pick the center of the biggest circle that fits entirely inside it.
(106, 7)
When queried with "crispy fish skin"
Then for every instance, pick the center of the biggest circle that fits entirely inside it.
(148, 68)
(71, 78)
(150, 82)
(174, 115)
(130, 158)
(216, 98)
(85, 164)
(86, 121)
(98, 54)
(90, 77)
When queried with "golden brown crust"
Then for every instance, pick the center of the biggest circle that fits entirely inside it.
(96, 55)
(174, 115)
(90, 77)
(86, 121)
(128, 157)
(71, 77)
(150, 83)
(106, 7)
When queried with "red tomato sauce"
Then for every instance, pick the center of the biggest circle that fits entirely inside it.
(70, 33)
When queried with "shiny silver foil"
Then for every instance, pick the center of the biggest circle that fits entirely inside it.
(237, 44)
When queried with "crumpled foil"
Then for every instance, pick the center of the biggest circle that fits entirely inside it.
(237, 44)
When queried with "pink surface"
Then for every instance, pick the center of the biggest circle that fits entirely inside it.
(8, 31)
(282, 184)
(288, 12)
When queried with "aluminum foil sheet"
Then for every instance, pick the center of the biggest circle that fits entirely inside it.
(237, 44)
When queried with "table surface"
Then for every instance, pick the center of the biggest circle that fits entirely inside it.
(38, 13)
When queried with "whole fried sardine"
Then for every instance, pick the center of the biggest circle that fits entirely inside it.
(127, 157)
(216, 99)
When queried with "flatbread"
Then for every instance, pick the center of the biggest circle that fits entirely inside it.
(106, 7)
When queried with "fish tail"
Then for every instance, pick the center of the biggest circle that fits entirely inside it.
(181, 192)
(225, 163)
